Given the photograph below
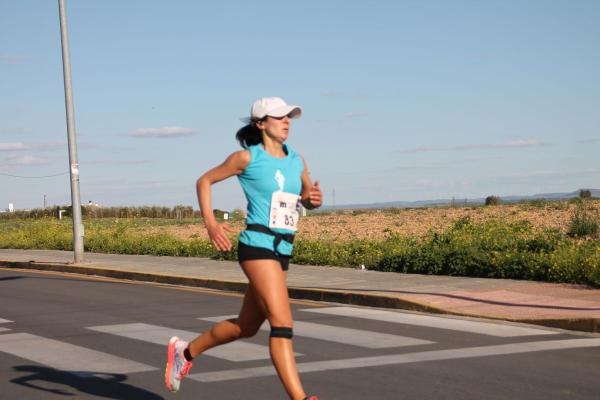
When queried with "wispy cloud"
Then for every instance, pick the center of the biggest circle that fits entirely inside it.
(429, 183)
(356, 114)
(49, 145)
(383, 170)
(483, 146)
(120, 162)
(437, 165)
(343, 118)
(46, 146)
(537, 174)
(13, 59)
(543, 175)
(96, 146)
(330, 93)
(164, 132)
(127, 188)
(25, 161)
(412, 185)
(13, 130)
(589, 141)
(13, 146)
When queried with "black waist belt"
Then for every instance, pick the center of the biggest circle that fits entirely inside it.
(278, 237)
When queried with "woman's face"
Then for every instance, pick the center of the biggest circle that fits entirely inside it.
(276, 128)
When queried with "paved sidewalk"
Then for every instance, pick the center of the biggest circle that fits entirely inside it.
(565, 306)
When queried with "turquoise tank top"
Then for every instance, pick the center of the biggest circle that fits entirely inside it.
(263, 176)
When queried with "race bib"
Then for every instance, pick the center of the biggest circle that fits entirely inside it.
(285, 209)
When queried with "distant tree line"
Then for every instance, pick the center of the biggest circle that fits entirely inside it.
(177, 212)
(584, 194)
(493, 201)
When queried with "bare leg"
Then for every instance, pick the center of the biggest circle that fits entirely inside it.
(246, 324)
(269, 283)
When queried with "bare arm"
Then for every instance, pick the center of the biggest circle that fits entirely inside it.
(311, 193)
(233, 165)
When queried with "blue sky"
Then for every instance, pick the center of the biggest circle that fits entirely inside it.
(403, 100)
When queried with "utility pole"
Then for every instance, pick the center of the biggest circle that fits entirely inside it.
(73, 163)
(45, 203)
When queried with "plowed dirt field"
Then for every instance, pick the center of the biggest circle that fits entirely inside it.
(347, 225)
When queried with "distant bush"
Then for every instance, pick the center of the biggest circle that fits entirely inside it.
(559, 205)
(583, 222)
(538, 203)
(69, 211)
(35, 213)
(238, 214)
(462, 222)
(585, 194)
(360, 211)
(492, 201)
(393, 210)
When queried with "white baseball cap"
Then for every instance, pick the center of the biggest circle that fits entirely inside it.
(273, 107)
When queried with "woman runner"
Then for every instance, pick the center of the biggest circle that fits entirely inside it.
(275, 181)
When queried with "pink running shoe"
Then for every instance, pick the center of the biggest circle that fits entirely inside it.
(177, 365)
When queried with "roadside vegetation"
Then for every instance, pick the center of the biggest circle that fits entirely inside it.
(540, 240)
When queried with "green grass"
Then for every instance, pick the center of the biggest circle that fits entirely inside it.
(493, 249)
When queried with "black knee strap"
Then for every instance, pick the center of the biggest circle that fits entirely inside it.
(282, 332)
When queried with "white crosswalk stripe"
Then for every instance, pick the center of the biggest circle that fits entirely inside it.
(437, 355)
(482, 328)
(4, 321)
(235, 351)
(84, 361)
(67, 357)
(354, 337)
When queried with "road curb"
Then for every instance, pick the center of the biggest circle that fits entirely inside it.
(299, 293)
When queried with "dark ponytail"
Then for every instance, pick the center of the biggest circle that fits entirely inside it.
(249, 135)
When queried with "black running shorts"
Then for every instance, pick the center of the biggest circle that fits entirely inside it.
(246, 253)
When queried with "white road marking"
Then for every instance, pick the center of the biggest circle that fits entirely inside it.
(437, 355)
(234, 351)
(482, 328)
(4, 321)
(354, 337)
(67, 357)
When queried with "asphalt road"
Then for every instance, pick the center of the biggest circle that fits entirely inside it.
(78, 337)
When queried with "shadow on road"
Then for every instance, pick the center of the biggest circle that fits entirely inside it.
(11, 278)
(111, 386)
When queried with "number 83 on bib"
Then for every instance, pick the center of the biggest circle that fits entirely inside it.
(285, 211)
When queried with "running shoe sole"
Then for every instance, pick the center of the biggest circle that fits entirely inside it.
(170, 361)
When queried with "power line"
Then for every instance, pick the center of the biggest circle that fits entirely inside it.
(33, 177)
